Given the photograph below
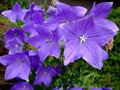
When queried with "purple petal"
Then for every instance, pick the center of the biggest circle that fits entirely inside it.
(16, 7)
(63, 9)
(7, 59)
(15, 32)
(46, 79)
(35, 61)
(51, 71)
(29, 27)
(35, 41)
(32, 10)
(87, 25)
(101, 35)
(14, 46)
(101, 89)
(55, 19)
(34, 58)
(101, 10)
(19, 68)
(96, 89)
(12, 71)
(104, 55)
(10, 14)
(22, 86)
(106, 88)
(72, 50)
(92, 53)
(51, 11)
(43, 31)
(68, 12)
(55, 51)
(109, 25)
(44, 51)
(78, 12)
(37, 18)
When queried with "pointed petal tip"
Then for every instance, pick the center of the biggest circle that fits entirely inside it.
(16, 7)
(111, 3)
(99, 67)
(107, 3)
(17, 3)
(66, 62)
(3, 12)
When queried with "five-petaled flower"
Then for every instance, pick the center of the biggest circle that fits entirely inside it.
(84, 39)
(18, 65)
(46, 41)
(15, 14)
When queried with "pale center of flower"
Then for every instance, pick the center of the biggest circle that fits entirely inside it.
(20, 61)
(50, 41)
(82, 38)
(18, 45)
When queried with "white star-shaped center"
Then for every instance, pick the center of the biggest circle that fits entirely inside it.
(82, 38)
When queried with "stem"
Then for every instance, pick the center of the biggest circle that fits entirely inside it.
(45, 5)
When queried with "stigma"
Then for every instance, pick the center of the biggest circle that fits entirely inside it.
(82, 39)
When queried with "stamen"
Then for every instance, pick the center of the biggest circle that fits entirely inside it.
(82, 38)
(49, 41)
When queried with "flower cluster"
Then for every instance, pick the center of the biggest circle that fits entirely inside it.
(69, 28)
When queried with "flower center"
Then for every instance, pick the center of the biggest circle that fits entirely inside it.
(50, 41)
(18, 45)
(82, 38)
(20, 61)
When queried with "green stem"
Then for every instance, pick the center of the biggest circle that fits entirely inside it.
(45, 5)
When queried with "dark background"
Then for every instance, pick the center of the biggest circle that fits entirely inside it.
(86, 3)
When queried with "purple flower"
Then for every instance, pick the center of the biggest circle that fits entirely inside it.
(15, 33)
(22, 86)
(76, 88)
(18, 65)
(32, 10)
(44, 75)
(15, 14)
(46, 42)
(84, 40)
(14, 46)
(66, 13)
